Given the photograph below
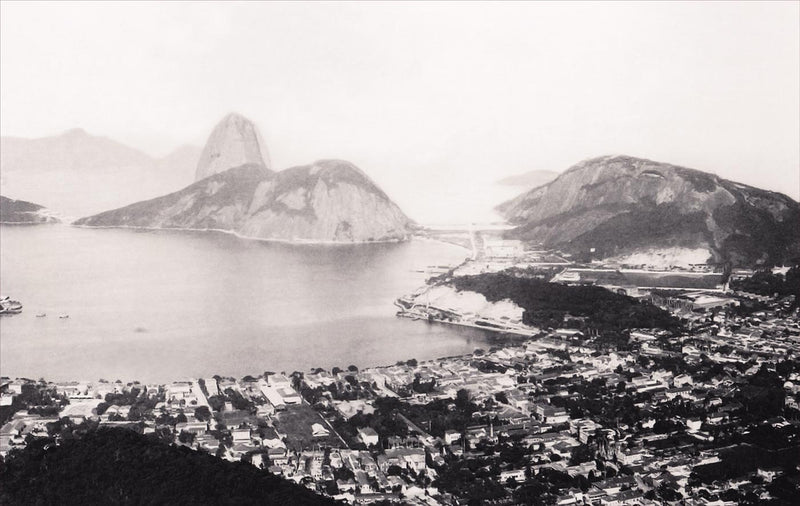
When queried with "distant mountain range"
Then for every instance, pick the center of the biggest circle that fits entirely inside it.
(625, 208)
(530, 179)
(76, 173)
(622, 208)
(236, 191)
(20, 212)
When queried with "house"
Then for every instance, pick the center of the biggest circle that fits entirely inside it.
(207, 443)
(451, 436)
(682, 380)
(517, 474)
(368, 436)
(614, 485)
(241, 435)
(238, 450)
(317, 430)
(552, 414)
(348, 409)
(273, 396)
(193, 427)
(362, 482)
(258, 460)
(278, 456)
(289, 395)
(409, 458)
(346, 486)
(769, 473)
(518, 400)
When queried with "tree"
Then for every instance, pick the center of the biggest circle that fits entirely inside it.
(202, 413)
(186, 437)
(462, 398)
(581, 454)
(394, 470)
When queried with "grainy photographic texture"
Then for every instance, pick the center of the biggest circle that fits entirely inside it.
(440, 253)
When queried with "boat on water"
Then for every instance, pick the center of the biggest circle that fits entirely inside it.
(8, 306)
(63, 315)
(41, 315)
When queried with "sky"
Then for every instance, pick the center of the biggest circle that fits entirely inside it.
(434, 101)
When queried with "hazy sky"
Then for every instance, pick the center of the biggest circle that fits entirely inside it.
(431, 100)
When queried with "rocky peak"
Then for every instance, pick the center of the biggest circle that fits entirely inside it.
(235, 141)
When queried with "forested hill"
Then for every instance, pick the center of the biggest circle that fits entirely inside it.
(615, 206)
(118, 466)
(546, 304)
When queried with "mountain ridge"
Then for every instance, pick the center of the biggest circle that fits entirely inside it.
(57, 170)
(620, 205)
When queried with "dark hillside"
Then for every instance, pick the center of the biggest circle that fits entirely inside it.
(117, 466)
(546, 304)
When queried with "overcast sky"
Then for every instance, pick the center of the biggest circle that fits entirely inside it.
(431, 100)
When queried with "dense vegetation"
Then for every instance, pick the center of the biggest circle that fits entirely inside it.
(117, 466)
(768, 284)
(36, 398)
(547, 304)
(19, 211)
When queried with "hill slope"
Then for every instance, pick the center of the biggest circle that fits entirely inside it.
(327, 201)
(76, 173)
(622, 206)
(22, 212)
(119, 466)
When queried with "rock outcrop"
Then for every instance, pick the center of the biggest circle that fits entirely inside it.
(327, 201)
(234, 142)
(619, 205)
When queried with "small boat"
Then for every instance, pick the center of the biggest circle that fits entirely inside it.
(63, 315)
(8, 306)
(41, 315)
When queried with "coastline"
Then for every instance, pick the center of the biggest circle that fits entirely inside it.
(521, 333)
(300, 242)
(31, 223)
(305, 242)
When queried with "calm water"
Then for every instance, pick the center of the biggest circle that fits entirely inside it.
(157, 306)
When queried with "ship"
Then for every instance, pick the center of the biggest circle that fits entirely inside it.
(8, 306)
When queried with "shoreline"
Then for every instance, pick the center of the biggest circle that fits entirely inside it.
(31, 223)
(521, 333)
(302, 242)
(297, 242)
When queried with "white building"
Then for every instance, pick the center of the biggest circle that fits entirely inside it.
(368, 436)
